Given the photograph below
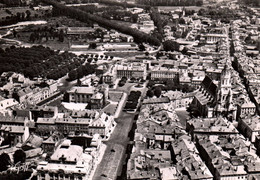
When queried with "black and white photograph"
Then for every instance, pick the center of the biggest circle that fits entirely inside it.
(129, 90)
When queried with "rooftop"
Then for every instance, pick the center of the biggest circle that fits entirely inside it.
(82, 90)
(252, 122)
(187, 158)
(212, 125)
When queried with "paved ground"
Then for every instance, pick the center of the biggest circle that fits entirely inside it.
(126, 88)
(113, 158)
(183, 115)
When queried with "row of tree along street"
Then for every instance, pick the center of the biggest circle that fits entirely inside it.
(86, 17)
(132, 100)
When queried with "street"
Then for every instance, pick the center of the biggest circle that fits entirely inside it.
(113, 158)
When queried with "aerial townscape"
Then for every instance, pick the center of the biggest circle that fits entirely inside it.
(129, 90)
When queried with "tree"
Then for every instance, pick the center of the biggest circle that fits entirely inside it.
(73, 75)
(18, 15)
(170, 85)
(157, 92)
(14, 33)
(89, 60)
(248, 38)
(181, 21)
(19, 156)
(12, 47)
(150, 83)
(86, 17)
(141, 47)
(124, 78)
(32, 37)
(1, 51)
(92, 45)
(150, 93)
(184, 50)
(28, 14)
(78, 82)
(5, 161)
(171, 46)
(22, 15)
(121, 83)
(132, 78)
(61, 36)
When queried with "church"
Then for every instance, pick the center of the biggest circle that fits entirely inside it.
(215, 98)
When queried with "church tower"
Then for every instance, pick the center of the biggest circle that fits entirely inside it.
(225, 86)
(225, 90)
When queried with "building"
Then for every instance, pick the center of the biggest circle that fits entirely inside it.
(246, 108)
(210, 126)
(67, 162)
(124, 46)
(206, 97)
(225, 92)
(188, 161)
(197, 80)
(135, 10)
(250, 127)
(95, 97)
(136, 168)
(79, 94)
(33, 95)
(163, 73)
(48, 145)
(6, 104)
(14, 133)
(179, 99)
(86, 122)
(97, 101)
(213, 38)
(23, 94)
(228, 156)
(109, 76)
(41, 112)
(79, 30)
(169, 173)
(103, 126)
(129, 70)
(77, 122)
(146, 26)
